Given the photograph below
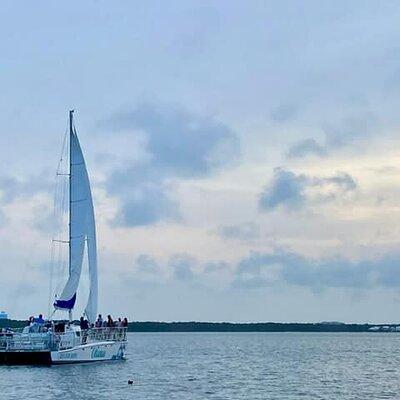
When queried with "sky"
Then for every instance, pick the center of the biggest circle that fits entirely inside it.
(244, 155)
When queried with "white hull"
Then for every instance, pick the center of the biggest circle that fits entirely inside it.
(96, 351)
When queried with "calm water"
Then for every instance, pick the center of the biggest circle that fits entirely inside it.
(225, 366)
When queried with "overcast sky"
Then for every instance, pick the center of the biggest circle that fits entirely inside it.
(244, 155)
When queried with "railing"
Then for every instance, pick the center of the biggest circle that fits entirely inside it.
(4, 340)
(25, 342)
(104, 334)
(52, 341)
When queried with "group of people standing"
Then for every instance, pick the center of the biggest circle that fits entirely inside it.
(106, 323)
(37, 325)
(84, 323)
(38, 320)
(110, 323)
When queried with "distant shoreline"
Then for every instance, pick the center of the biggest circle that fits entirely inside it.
(149, 326)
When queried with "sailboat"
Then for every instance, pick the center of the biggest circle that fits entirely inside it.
(58, 342)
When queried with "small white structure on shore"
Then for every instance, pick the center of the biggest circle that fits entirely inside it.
(384, 328)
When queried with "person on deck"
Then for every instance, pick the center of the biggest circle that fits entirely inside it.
(125, 325)
(83, 323)
(99, 322)
(110, 322)
(40, 319)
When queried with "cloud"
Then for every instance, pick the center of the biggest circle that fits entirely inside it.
(350, 129)
(347, 131)
(200, 27)
(294, 269)
(179, 267)
(274, 269)
(44, 220)
(342, 180)
(212, 267)
(143, 203)
(251, 271)
(12, 188)
(289, 190)
(179, 145)
(147, 264)
(284, 113)
(9, 189)
(3, 218)
(246, 231)
(182, 266)
(286, 189)
(179, 142)
(306, 147)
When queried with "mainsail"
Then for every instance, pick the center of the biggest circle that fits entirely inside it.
(81, 229)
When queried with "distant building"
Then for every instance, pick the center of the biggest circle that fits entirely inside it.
(374, 329)
(3, 315)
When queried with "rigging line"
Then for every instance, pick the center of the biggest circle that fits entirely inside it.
(59, 264)
(58, 219)
(61, 268)
(62, 212)
(56, 189)
(57, 186)
(64, 143)
(63, 201)
(61, 261)
(66, 172)
(51, 280)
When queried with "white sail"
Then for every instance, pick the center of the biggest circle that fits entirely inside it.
(82, 228)
(91, 307)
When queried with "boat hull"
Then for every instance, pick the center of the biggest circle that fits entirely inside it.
(25, 357)
(91, 352)
(101, 351)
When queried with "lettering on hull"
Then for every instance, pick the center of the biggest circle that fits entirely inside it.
(68, 356)
(97, 352)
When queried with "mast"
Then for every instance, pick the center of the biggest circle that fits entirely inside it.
(71, 132)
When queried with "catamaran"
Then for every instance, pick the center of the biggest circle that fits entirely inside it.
(57, 342)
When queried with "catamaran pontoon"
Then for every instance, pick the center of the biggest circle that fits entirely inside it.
(64, 342)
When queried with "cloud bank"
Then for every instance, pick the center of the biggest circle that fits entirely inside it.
(179, 145)
(294, 269)
(288, 189)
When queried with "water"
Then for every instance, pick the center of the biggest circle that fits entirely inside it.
(225, 366)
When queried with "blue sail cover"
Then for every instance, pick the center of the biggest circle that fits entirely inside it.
(65, 304)
(81, 213)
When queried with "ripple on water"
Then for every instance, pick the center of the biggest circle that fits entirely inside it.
(225, 366)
